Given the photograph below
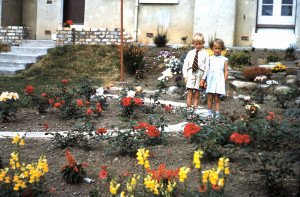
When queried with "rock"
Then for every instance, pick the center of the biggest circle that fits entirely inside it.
(100, 91)
(172, 90)
(277, 76)
(281, 89)
(231, 78)
(274, 63)
(297, 101)
(291, 77)
(264, 87)
(267, 66)
(241, 85)
(291, 81)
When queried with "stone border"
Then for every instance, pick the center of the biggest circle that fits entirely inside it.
(68, 35)
(14, 35)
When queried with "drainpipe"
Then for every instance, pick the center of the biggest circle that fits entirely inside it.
(136, 14)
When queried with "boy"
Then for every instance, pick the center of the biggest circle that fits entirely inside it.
(195, 69)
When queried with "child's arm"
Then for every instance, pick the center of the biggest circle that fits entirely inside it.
(202, 81)
(185, 68)
(226, 70)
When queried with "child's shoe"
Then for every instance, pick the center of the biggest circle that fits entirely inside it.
(208, 118)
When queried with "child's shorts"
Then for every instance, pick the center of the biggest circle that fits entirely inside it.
(194, 78)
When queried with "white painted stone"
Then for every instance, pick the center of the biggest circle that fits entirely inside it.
(291, 77)
(241, 85)
(172, 90)
(231, 78)
(267, 66)
(281, 89)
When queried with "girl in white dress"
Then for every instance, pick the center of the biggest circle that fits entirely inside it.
(216, 78)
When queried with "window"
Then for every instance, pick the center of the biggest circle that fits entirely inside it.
(287, 8)
(267, 8)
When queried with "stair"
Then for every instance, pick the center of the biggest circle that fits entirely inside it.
(24, 56)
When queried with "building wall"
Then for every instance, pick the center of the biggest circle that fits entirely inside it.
(245, 22)
(177, 19)
(297, 31)
(11, 14)
(216, 19)
(48, 18)
(30, 16)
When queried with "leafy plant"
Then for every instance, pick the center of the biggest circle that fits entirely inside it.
(133, 57)
(42, 102)
(73, 172)
(240, 59)
(8, 105)
(161, 40)
(290, 54)
(284, 99)
(253, 72)
(273, 57)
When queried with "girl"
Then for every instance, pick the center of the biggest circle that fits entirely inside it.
(216, 78)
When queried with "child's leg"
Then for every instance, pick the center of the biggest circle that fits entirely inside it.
(196, 98)
(217, 104)
(209, 103)
(189, 97)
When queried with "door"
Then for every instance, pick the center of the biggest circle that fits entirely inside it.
(74, 10)
(276, 12)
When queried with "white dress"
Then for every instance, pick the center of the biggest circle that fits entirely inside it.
(215, 78)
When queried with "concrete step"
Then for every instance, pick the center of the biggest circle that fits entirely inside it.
(20, 58)
(38, 43)
(29, 50)
(11, 68)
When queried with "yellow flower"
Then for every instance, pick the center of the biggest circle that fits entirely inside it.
(23, 185)
(16, 139)
(226, 171)
(16, 188)
(221, 182)
(16, 178)
(205, 176)
(197, 155)
(22, 142)
(122, 194)
(142, 156)
(221, 164)
(113, 187)
(183, 173)
(7, 180)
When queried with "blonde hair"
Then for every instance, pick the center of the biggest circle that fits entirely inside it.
(198, 37)
(219, 42)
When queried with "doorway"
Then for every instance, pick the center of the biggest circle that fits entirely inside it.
(74, 10)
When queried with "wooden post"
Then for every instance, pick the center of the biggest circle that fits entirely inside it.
(121, 40)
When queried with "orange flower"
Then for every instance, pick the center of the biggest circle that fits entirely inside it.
(89, 112)
(65, 81)
(79, 103)
(86, 104)
(190, 129)
(84, 164)
(57, 105)
(103, 174)
(204, 188)
(76, 169)
(29, 89)
(64, 166)
(46, 126)
(44, 95)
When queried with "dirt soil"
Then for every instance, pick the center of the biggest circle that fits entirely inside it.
(243, 179)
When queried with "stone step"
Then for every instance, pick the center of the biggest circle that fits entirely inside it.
(29, 50)
(38, 43)
(19, 58)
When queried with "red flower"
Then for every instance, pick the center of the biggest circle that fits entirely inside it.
(271, 113)
(99, 110)
(240, 139)
(44, 95)
(84, 164)
(51, 101)
(125, 173)
(152, 131)
(79, 103)
(52, 189)
(46, 126)
(168, 108)
(86, 103)
(70, 22)
(64, 166)
(29, 89)
(65, 81)
(270, 117)
(126, 101)
(104, 167)
(216, 187)
(76, 169)
(89, 112)
(57, 105)
(138, 101)
(279, 117)
(190, 129)
(102, 130)
(204, 188)
(233, 136)
(103, 174)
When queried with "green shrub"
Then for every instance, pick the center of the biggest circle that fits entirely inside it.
(290, 54)
(160, 40)
(273, 58)
(133, 57)
(240, 59)
(251, 73)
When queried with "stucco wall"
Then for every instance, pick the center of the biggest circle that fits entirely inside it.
(30, 16)
(48, 18)
(216, 19)
(176, 18)
(245, 22)
(297, 32)
(11, 12)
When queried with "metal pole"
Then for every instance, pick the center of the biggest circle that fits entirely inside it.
(121, 40)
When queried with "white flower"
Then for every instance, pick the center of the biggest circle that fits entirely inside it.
(161, 78)
(167, 73)
(131, 93)
(246, 98)
(138, 88)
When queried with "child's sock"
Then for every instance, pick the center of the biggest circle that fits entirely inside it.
(217, 114)
(209, 113)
